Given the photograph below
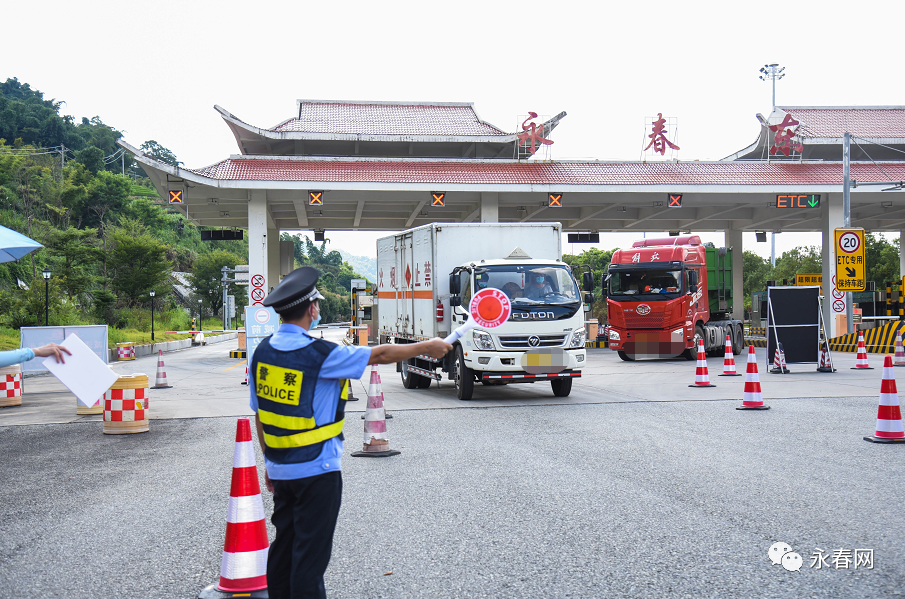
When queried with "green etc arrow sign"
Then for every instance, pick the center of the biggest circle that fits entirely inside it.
(798, 200)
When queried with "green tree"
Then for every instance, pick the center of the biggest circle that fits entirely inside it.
(139, 264)
(158, 152)
(755, 273)
(598, 261)
(205, 278)
(74, 254)
(882, 258)
(798, 260)
(92, 158)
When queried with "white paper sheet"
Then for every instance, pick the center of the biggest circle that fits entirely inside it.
(84, 373)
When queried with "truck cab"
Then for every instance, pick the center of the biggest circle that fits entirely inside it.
(665, 294)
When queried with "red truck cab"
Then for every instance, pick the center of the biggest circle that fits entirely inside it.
(657, 300)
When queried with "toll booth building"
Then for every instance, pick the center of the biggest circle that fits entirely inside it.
(388, 166)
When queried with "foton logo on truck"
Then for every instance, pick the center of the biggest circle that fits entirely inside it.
(532, 316)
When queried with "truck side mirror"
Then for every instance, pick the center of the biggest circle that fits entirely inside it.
(454, 281)
(588, 281)
(455, 300)
(589, 298)
(693, 288)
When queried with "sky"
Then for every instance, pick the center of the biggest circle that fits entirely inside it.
(155, 70)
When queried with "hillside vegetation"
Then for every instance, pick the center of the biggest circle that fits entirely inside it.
(109, 239)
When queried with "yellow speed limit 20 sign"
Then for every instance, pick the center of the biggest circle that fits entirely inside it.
(850, 263)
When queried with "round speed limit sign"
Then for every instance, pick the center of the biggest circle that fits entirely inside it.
(849, 242)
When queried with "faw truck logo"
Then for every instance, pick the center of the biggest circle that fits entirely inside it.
(643, 309)
(533, 316)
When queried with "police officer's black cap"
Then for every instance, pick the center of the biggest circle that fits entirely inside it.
(297, 287)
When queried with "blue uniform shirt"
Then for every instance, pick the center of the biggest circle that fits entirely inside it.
(15, 356)
(344, 362)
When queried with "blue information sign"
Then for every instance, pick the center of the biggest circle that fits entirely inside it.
(260, 322)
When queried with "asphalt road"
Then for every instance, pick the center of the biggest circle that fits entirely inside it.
(676, 498)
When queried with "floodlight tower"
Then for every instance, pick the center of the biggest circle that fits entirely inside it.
(772, 72)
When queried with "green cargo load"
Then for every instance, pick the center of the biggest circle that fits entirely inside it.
(719, 280)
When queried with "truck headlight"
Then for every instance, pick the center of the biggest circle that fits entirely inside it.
(483, 341)
(614, 335)
(577, 338)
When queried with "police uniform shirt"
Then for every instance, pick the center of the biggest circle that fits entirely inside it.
(344, 362)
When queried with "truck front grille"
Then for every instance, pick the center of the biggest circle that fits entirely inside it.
(652, 321)
(521, 341)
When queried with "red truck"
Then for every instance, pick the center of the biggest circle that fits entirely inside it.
(665, 294)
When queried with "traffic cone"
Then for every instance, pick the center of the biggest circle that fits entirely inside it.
(861, 360)
(243, 569)
(889, 415)
(900, 351)
(161, 382)
(753, 400)
(779, 361)
(729, 360)
(350, 396)
(376, 444)
(245, 382)
(701, 377)
(825, 364)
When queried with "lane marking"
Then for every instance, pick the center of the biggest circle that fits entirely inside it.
(236, 365)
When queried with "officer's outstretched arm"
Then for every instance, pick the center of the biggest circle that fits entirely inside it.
(389, 353)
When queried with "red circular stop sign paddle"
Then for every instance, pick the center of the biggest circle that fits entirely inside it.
(489, 308)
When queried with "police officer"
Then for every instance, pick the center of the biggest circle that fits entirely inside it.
(298, 391)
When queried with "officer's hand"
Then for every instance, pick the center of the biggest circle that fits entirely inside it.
(52, 349)
(267, 482)
(437, 348)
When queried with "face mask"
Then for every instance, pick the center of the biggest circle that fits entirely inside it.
(315, 321)
(539, 279)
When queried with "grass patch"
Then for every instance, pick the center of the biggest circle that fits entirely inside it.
(10, 338)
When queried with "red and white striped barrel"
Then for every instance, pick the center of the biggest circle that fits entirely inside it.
(126, 405)
(10, 386)
(125, 351)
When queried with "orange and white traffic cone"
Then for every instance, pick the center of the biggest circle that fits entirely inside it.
(245, 382)
(701, 377)
(861, 359)
(161, 382)
(779, 361)
(900, 351)
(889, 414)
(826, 365)
(376, 444)
(729, 360)
(753, 400)
(243, 569)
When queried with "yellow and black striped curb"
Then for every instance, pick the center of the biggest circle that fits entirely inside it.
(594, 344)
(757, 331)
(237, 354)
(756, 341)
(881, 340)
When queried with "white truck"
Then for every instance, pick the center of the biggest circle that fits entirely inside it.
(426, 277)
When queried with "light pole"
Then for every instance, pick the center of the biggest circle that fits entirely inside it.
(152, 293)
(199, 314)
(772, 72)
(46, 275)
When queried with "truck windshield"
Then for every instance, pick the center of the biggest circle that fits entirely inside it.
(526, 284)
(645, 282)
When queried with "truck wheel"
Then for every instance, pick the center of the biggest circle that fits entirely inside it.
(423, 382)
(464, 377)
(738, 341)
(409, 379)
(562, 387)
(622, 356)
(692, 352)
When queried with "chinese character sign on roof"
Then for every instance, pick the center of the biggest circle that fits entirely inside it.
(785, 137)
(532, 138)
(658, 132)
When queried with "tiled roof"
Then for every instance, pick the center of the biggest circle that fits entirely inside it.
(861, 122)
(387, 119)
(547, 173)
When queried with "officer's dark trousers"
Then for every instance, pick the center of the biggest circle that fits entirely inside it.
(304, 514)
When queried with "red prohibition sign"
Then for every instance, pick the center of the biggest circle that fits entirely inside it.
(257, 281)
(490, 308)
(257, 294)
(839, 306)
(257, 304)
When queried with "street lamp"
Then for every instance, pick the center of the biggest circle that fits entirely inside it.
(152, 294)
(199, 314)
(772, 72)
(46, 275)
